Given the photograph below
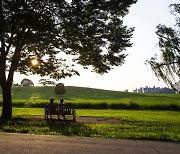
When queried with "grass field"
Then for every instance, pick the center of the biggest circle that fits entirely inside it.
(152, 116)
(94, 98)
(137, 124)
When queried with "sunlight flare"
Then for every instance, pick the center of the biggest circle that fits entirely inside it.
(34, 62)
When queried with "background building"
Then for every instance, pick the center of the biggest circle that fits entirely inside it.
(154, 90)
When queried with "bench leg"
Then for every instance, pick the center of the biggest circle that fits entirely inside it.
(45, 113)
(64, 117)
(46, 116)
(74, 115)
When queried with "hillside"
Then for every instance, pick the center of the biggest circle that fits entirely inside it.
(41, 95)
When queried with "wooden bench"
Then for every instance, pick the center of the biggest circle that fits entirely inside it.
(57, 109)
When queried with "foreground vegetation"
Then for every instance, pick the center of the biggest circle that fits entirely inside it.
(151, 125)
(137, 123)
(94, 98)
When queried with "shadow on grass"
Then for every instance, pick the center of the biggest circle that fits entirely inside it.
(69, 128)
(136, 130)
(47, 127)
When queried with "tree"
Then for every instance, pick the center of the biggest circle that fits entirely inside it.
(59, 89)
(34, 34)
(168, 68)
(46, 82)
(16, 84)
(27, 82)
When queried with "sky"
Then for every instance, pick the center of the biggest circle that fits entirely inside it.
(145, 15)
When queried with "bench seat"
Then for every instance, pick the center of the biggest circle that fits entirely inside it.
(57, 109)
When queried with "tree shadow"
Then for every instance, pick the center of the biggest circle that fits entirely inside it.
(31, 125)
(70, 128)
(15, 125)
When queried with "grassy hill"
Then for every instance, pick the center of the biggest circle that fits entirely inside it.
(94, 98)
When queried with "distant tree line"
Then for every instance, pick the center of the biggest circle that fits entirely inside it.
(28, 82)
(25, 82)
(46, 82)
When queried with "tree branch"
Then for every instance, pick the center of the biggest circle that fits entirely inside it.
(164, 64)
(14, 64)
(2, 48)
(167, 39)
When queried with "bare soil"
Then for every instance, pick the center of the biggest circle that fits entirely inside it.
(81, 120)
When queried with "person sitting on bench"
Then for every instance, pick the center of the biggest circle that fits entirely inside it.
(62, 108)
(51, 101)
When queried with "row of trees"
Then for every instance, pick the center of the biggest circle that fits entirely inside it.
(25, 82)
(28, 82)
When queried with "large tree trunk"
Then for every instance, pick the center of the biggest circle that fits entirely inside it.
(6, 83)
(7, 103)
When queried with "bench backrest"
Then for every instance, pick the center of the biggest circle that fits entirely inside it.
(60, 108)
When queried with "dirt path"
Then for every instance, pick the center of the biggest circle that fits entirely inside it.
(46, 144)
(82, 120)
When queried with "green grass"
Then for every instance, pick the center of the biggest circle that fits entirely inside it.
(27, 111)
(94, 98)
(137, 124)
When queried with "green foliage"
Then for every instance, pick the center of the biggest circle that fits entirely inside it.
(46, 82)
(27, 82)
(43, 29)
(169, 44)
(35, 36)
(59, 89)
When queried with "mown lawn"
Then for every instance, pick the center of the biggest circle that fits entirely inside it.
(161, 123)
(150, 125)
(94, 98)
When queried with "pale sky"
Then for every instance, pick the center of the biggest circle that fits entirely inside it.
(145, 15)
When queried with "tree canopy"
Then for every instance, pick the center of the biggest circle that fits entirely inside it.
(168, 67)
(34, 36)
(27, 82)
(46, 82)
(42, 29)
(59, 89)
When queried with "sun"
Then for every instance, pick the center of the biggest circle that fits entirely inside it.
(34, 62)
